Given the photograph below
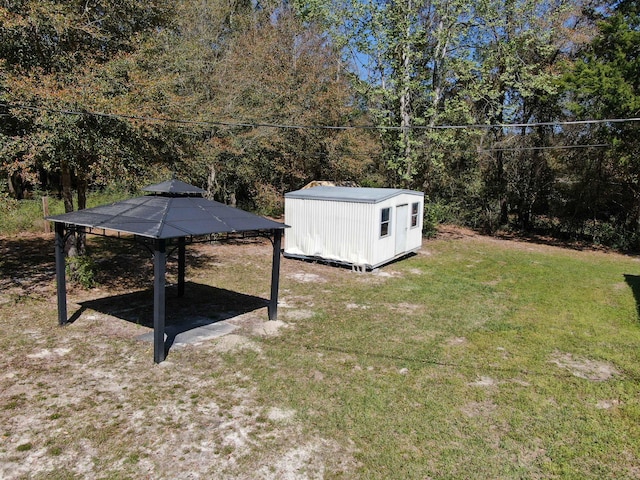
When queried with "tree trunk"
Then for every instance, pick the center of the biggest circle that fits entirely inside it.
(439, 55)
(81, 240)
(232, 201)
(70, 246)
(212, 183)
(15, 186)
(67, 195)
(405, 102)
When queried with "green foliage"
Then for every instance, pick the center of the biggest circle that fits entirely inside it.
(69, 56)
(56, 36)
(603, 83)
(292, 77)
(603, 80)
(269, 201)
(407, 67)
(24, 215)
(81, 269)
(438, 213)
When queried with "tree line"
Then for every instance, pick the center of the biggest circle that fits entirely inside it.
(517, 114)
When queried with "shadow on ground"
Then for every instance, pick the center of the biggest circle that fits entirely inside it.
(123, 263)
(201, 306)
(27, 262)
(634, 283)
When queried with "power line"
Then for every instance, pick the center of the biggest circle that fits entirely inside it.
(548, 147)
(239, 124)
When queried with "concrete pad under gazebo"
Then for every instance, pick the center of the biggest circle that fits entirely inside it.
(175, 212)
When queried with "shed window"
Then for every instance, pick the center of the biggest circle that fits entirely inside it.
(384, 221)
(415, 211)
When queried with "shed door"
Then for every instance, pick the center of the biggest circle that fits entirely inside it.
(402, 221)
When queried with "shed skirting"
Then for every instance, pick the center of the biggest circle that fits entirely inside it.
(367, 267)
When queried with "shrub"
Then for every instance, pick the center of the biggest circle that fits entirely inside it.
(82, 270)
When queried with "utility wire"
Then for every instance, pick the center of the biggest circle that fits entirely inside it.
(317, 127)
(548, 147)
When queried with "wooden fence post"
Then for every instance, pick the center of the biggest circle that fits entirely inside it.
(45, 210)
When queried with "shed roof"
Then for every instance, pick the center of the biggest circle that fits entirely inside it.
(172, 214)
(350, 194)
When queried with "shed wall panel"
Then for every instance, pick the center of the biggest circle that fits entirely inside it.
(328, 229)
(384, 249)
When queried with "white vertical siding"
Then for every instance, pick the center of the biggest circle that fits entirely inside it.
(328, 229)
(346, 231)
(384, 248)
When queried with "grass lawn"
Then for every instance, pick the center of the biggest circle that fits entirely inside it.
(476, 358)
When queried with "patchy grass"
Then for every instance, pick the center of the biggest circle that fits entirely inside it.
(475, 358)
(18, 216)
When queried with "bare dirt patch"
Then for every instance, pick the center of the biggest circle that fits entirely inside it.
(151, 422)
(254, 324)
(607, 404)
(454, 341)
(357, 306)
(479, 409)
(593, 370)
(232, 342)
(484, 382)
(307, 277)
(385, 273)
(295, 301)
(298, 314)
(271, 328)
(281, 415)
(405, 308)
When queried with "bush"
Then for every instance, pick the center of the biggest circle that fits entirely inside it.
(437, 213)
(82, 270)
(268, 201)
(24, 215)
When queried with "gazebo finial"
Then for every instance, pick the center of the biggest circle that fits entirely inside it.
(174, 187)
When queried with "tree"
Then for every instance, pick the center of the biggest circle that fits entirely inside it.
(59, 61)
(508, 74)
(604, 83)
(278, 71)
(68, 56)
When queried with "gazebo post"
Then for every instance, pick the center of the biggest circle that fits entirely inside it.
(181, 265)
(159, 268)
(61, 284)
(275, 275)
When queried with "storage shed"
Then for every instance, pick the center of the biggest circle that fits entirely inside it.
(362, 227)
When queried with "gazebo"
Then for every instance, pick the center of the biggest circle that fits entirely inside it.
(172, 215)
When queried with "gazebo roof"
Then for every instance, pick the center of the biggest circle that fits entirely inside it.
(175, 187)
(176, 211)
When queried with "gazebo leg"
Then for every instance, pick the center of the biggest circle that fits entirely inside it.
(181, 265)
(275, 275)
(159, 268)
(61, 283)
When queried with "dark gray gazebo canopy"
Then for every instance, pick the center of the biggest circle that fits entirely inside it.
(176, 211)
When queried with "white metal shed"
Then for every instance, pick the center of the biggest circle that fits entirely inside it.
(364, 227)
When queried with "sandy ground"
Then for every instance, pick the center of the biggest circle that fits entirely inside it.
(86, 401)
